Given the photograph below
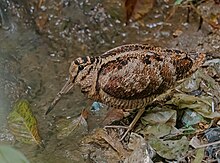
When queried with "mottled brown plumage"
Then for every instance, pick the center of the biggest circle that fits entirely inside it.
(130, 76)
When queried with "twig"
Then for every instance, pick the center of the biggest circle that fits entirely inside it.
(206, 145)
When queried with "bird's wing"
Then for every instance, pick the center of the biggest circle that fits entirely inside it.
(136, 77)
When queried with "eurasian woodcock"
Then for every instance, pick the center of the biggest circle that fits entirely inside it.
(130, 76)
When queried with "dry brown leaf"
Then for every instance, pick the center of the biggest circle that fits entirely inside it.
(113, 115)
(85, 113)
(114, 143)
(102, 138)
(78, 124)
(137, 9)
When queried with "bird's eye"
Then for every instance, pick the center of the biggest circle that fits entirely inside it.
(80, 67)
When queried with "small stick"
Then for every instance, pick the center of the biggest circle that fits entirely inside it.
(206, 145)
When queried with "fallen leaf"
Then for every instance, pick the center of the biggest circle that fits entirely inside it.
(137, 9)
(191, 84)
(210, 84)
(158, 130)
(114, 142)
(212, 134)
(169, 149)
(199, 155)
(102, 138)
(22, 123)
(201, 105)
(140, 149)
(159, 122)
(95, 145)
(191, 118)
(160, 116)
(78, 124)
(195, 142)
(113, 115)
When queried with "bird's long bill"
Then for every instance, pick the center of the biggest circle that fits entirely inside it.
(59, 95)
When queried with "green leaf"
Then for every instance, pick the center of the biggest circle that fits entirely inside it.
(160, 116)
(10, 155)
(159, 122)
(201, 105)
(23, 124)
(169, 149)
(178, 2)
(158, 130)
(199, 155)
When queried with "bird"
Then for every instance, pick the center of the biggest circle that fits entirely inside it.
(130, 76)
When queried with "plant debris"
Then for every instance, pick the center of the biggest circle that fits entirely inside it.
(66, 127)
(23, 125)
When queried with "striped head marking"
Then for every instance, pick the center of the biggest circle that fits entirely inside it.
(78, 65)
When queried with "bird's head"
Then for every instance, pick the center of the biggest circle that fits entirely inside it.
(78, 69)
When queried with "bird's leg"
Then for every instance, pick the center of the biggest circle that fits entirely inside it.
(131, 126)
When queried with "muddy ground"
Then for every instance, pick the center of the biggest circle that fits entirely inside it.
(39, 39)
